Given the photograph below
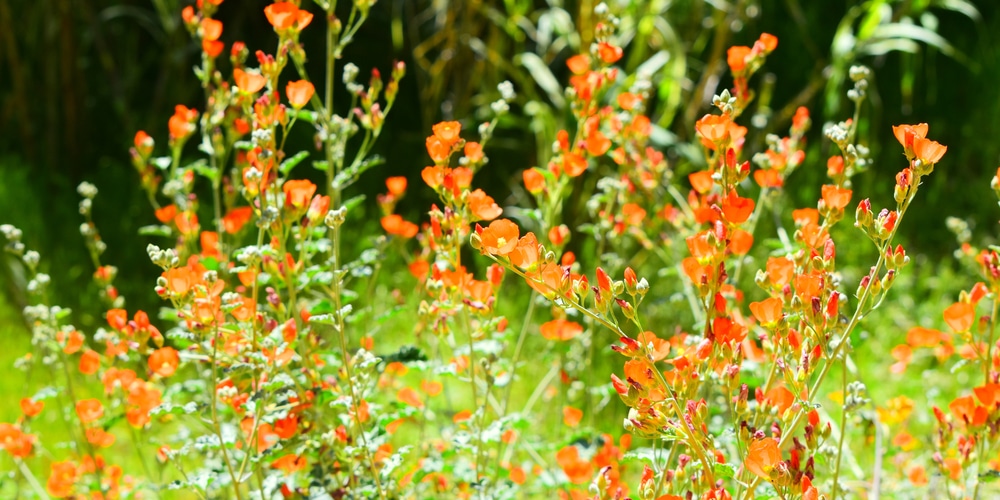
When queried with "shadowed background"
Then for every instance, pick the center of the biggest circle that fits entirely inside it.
(79, 77)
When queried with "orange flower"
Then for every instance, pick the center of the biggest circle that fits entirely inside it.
(768, 178)
(164, 361)
(960, 316)
(62, 476)
(836, 198)
(235, 219)
(89, 410)
(286, 427)
(299, 93)
(209, 243)
(989, 395)
(74, 342)
(578, 471)
(780, 398)
(395, 224)
(736, 209)
(627, 100)
(534, 180)
(500, 238)
(290, 463)
(906, 134)
(526, 254)
(701, 181)
(917, 475)
(902, 354)
(166, 214)
(211, 29)
(432, 388)
(517, 475)
(396, 185)
(768, 311)
(16, 443)
(597, 143)
(560, 329)
(447, 132)
(181, 124)
(780, 271)
(768, 41)
(90, 361)
(482, 206)
(632, 212)
(919, 336)
(409, 397)
(572, 416)
(473, 152)
(298, 193)
(927, 150)
(762, 457)
(714, 129)
(966, 410)
(287, 16)
(954, 468)
(805, 216)
(740, 242)
(250, 82)
(30, 407)
(736, 57)
(212, 48)
(548, 279)
(99, 438)
(578, 64)
(437, 149)
(266, 437)
(574, 164)
(608, 53)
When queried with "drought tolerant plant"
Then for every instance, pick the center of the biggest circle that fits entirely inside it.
(260, 378)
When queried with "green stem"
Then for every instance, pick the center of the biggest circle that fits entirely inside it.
(843, 433)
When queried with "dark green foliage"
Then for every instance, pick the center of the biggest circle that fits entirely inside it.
(78, 78)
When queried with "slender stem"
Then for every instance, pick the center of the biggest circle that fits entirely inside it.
(989, 345)
(216, 426)
(472, 379)
(517, 348)
(843, 433)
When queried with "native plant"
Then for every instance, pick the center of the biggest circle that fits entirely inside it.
(259, 378)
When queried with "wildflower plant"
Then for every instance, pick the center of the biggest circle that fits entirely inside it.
(258, 377)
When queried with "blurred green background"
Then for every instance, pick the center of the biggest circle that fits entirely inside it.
(79, 77)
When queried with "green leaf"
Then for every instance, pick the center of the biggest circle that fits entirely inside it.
(305, 115)
(921, 34)
(541, 73)
(644, 455)
(290, 163)
(962, 7)
(724, 471)
(161, 162)
(156, 230)
(989, 476)
(652, 65)
(876, 13)
(203, 169)
(351, 174)
(405, 354)
(210, 263)
(354, 202)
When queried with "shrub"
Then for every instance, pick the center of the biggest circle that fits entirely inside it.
(499, 373)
